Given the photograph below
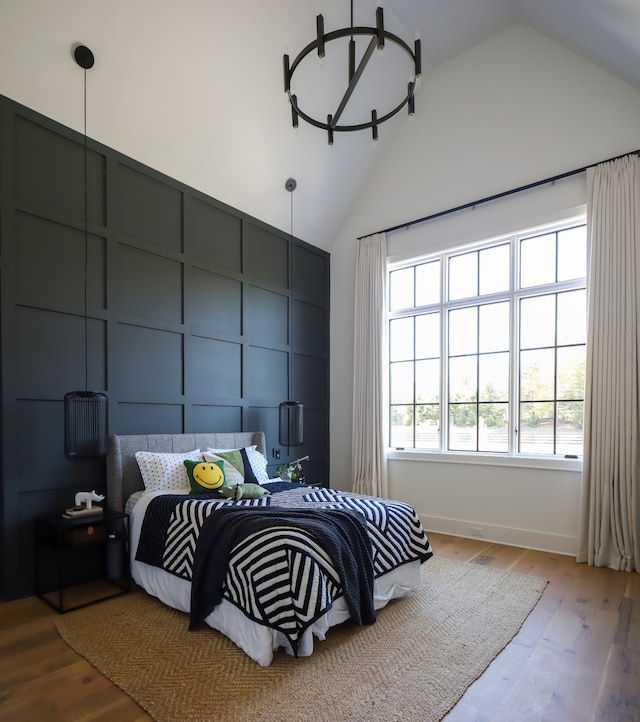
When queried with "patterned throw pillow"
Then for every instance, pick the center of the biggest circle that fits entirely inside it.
(165, 471)
(258, 464)
(233, 465)
(205, 477)
(254, 462)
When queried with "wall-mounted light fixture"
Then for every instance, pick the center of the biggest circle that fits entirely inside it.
(85, 412)
(379, 35)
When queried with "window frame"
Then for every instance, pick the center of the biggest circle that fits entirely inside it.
(514, 295)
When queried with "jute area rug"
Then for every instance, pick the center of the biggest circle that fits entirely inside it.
(414, 663)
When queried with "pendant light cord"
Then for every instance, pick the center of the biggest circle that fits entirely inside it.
(291, 220)
(86, 240)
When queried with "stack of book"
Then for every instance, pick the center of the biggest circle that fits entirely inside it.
(75, 511)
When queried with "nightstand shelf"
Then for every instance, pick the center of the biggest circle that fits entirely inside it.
(81, 561)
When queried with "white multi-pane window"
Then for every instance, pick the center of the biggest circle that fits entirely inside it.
(487, 346)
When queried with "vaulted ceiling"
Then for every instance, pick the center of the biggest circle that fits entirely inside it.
(195, 89)
(606, 32)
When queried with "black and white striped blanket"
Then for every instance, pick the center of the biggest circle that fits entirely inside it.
(281, 576)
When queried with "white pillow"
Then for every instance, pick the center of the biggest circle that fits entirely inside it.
(166, 472)
(256, 459)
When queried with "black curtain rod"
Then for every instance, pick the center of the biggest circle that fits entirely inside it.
(500, 195)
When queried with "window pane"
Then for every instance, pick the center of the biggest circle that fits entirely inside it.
(570, 428)
(428, 283)
(538, 260)
(538, 321)
(401, 383)
(571, 368)
(463, 276)
(401, 426)
(494, 377)
(494, 269)
(428, 336)
(494, 327)
(572, 253)
(463, 378)
(572, 317)
(428, 381)
(401, 289)
(428, 426)
(537, 375)
(535, 434)
(494, 427)
(463, 331)
(504, 369)
(463, 427)
(401, 339)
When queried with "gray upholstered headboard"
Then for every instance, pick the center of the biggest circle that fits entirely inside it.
(123, 474)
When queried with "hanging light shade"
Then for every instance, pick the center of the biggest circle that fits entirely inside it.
(291, 423)
(86, 424)
(86, 417)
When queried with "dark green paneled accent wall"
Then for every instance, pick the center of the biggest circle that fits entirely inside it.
(199, 318)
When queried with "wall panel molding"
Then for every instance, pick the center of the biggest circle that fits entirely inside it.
(199, 317)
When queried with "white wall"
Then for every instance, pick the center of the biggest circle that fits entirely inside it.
(514, 110)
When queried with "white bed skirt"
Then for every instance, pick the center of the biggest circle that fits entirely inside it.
(257, 640)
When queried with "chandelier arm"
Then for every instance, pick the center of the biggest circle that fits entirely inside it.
(353, 82)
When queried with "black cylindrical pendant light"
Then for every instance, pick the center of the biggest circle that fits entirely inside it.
(86, 419)
(291, 423)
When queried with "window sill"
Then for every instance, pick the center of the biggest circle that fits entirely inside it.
(453, 457)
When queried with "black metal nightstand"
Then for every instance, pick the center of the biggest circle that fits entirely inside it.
(83, 558)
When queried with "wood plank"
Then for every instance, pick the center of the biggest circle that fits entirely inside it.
(563, 665)
(620, 693)
(42, 678)
(631, 632)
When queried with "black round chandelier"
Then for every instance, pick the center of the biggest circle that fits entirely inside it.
(378, 37)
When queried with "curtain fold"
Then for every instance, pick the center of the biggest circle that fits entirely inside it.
(609, 533)
(369, 460)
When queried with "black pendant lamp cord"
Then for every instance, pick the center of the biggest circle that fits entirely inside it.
(86, 240)
(291, 220)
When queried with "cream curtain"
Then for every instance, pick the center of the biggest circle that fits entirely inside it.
(369, 463)
(609, 533)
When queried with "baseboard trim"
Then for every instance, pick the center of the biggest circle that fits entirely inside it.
(511, 536)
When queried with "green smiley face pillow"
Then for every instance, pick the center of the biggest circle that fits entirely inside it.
(206, 477)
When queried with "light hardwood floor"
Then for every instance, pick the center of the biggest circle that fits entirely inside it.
(576, 658)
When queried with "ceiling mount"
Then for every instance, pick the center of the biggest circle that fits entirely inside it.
(378, 36)
(290, 184)
(83, 56)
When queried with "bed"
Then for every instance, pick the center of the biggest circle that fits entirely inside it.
(307, 558)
